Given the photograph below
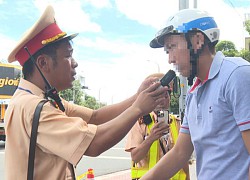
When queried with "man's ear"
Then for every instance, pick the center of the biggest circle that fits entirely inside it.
(43, 63)
(197, 40)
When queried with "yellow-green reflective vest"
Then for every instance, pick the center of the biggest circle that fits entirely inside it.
(153, 154)
(138, 172)
(180, 175)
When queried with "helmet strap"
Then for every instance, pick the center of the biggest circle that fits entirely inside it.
(194, 56)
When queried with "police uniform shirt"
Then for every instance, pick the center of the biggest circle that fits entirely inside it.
(62, 137)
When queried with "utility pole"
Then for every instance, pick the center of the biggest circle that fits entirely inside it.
(183, 4)
(195, 3)
(100, 97)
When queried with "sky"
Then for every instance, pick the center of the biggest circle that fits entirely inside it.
(112, 48)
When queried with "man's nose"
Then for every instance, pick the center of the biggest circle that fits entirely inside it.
(170, 58)
(74, 63)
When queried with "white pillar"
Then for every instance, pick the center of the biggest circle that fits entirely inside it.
(183, 4)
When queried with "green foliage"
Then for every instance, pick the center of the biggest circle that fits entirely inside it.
(229, 50)
(244, 54)
(227, 47)
(92, 103)
(247, 26)
(174, 97)
(174, 103)
(230, 53)
(74, 94)
(77, 96)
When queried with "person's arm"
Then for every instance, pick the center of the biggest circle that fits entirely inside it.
(186, 166)
(246, 139)
(109, 112)
(178, 156)
(237, 93)
(157, 131)
(186, 170)
(111, 132)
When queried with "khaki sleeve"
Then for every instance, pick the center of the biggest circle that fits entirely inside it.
(74, 110)
(66, 137)
(135, 137)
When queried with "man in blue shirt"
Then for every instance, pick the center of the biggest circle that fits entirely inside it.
(217, 117)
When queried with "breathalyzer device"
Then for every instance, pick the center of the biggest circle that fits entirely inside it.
(167, 78)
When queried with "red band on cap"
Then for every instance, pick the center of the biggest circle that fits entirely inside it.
(36, 42)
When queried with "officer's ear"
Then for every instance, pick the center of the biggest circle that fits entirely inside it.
(43, 63)
(197, 40)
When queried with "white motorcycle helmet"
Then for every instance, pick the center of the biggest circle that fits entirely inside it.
(187, 20)
(183, 22)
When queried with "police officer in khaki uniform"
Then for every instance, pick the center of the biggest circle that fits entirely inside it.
(63, 137)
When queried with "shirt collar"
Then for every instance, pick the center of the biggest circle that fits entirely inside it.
(216, 65)
(213, 71)
(30, 87)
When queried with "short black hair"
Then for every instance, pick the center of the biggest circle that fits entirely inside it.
(50, 50)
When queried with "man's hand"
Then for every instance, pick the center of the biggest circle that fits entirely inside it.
(146, 83)
(149, 98)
